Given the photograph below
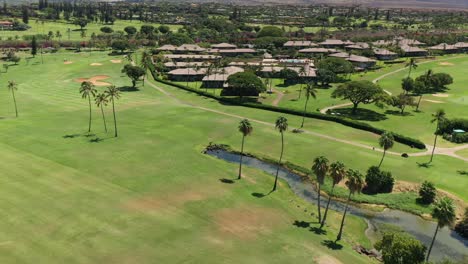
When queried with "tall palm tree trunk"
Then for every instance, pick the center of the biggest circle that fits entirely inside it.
(14, 101)
(419, 102)
(90, 116)
(279, 163)
(338, 238)
(300, 92)
(115, 119)
(241, 155)
(432, 243)
(383, 156)
(318, 203)
(104, 118)
(305, 111)
(433, 148)
(326, 209)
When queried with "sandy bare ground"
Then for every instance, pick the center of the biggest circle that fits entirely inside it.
(278, 98)
(68, 62)
(96, 64)
(116, 61)
(446, 64)
(96, 80)
(434, 101)
(441, 95)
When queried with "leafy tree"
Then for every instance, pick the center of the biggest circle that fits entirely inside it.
(359, 92)
(134, 73)
(282, 125)
(113, 93)
(420, 89)
(427, 192)
(336, 65)
(401, 101)
(270, 31)
(246, 129)
(101, 101)
(34, 46)
(178, 39)
(164, 29)
(87, 91)
(378, 181)
(444, 212)
(337, 173)
(320, 169)
(81, 22)
(120, 45)
(386, 141)
(326, 76)
(25, 14)
(12, 86)
(401, 248)
(438, 118)
(310, 91)
(130, 30)
(407, 84)
(106, 30)
(243, 84)
(354, 184)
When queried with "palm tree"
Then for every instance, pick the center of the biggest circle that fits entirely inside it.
(101, 101)
(302, 72)
(12, 86)
(145, 60)
(310, 91)
(354, 183)
(87, 90)
(444, 212)
(209, 71)
(113, 93)
(246, 129)
(438, 116)
(411, 65)
(320, 169)
(337, 173)
(386, 141)
(282, 125)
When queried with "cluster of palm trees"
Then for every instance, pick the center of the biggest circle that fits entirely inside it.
(88, 91)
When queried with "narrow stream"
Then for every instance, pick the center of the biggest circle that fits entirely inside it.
(448, 243)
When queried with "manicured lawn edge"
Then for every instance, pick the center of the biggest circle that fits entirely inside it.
(414, 143)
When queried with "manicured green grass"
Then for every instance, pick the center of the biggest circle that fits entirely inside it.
(463, 153)
(75, 33)
(149, 195)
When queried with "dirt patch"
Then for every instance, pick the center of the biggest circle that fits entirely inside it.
(446, 64)
(325, 259)
(67, 62)
(248, 223)
(433, 101)
(440, 95)
(96, 80)
(116, 61)
(96, 64)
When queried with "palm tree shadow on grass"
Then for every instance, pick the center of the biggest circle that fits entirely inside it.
(301, 224)
(128, 89)
(227, 181)
(260, 195)
(424, 164)
(361, 114)
(332, 245)
(71, 136)
(96, 140)
(318, 231)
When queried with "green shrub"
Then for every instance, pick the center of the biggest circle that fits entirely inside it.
(462, 227)
(427, 192)
(378, 181)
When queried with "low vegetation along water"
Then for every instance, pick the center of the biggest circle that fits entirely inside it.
(448, 244)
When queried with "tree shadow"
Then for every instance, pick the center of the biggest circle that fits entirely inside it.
(89, 135)
(71, 136)
(397, 113)
(318, 231)
(301, 224)
(462, 172)
(332, 245)
(424, 165)
(128, 89)
(258, 195)
(360, 114)
(96, 140)
(227, 181)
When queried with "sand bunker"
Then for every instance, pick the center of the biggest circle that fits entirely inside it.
(96, 80)
(116, 61)
(68, 62)
(433, 101)
(96, 64)
(440, 95)
(446, 64)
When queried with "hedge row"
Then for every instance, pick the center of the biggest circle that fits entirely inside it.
(341, 120)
